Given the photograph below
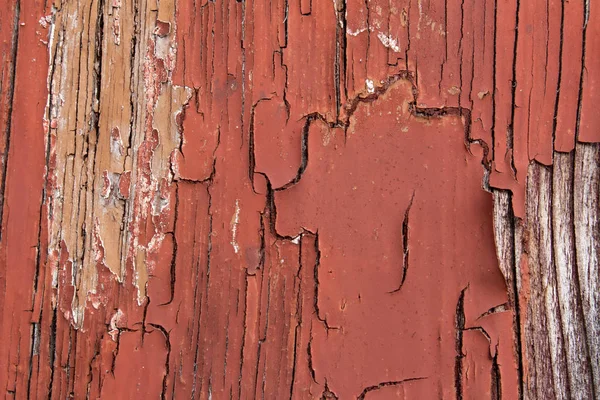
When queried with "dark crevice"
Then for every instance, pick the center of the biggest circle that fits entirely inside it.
(559, 78)
(316, 277)
(132, 91)
(91, 367)
(271, 211)
(10, 94)
(71, 366)
(34, 350)
(405, 233)
(243, 70)
(226, 352)
(179, 120)
(328, 394)
(298, 315)
(305, 14)
(243, 342)
(311, 368)
(263, 338)
(285, 23)
(15, 364)
(251, 151)
(206, 180)
(386, 384)
(198, 324)
(496, 389)
(459, 328)
(496, 309)
(257, 366)
(368, 17)
(514, 297)
(144, 315)
(480, 330)
(547, 50)
(511, 128)
(173, 268)
(262, 250)
(583, 70)
(113, 363)
(493, 128)
(263, 335)
(460, 50)
(52, 350)
(163, 394)
(340, 55)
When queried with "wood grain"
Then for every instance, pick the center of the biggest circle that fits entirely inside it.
(250, 199)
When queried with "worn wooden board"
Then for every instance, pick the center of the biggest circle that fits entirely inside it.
(311, 199)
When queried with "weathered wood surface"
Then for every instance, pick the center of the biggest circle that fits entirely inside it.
(311, 199)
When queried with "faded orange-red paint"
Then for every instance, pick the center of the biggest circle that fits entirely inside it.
(275, 200)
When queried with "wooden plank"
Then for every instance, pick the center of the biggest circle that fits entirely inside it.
(276, 199)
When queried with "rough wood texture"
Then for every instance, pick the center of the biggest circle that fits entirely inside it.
(555, 274)
(338, 199)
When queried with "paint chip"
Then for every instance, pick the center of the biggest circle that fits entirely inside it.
(389, 42)
(370, 86)
(235, 220)
(356, 32)
(454, 90)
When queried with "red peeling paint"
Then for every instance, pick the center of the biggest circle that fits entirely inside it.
(163, 28)
(282, 199)
(125, 184)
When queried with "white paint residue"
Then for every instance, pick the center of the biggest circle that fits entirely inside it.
(356, 32)
(370, 86)
(49, 21)
(115, 321)
(389, 42)
(235, 220)
(96, 303)
(159, 204)
(154, 247)
(45, 21)
(116, 146)
(296, 240)
(116, 8)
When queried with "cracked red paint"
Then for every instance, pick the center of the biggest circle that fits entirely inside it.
(291, 200)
